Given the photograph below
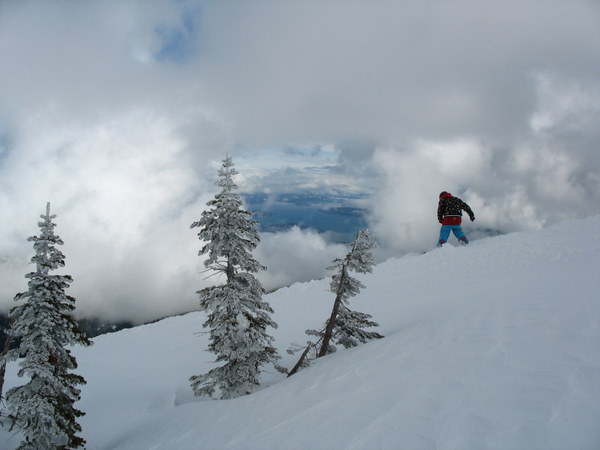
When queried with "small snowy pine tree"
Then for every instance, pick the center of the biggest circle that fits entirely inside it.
(349, 329)
(238, 317)
(344, 326)
(44, 408)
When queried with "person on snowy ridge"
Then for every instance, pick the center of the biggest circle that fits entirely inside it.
(450, 216)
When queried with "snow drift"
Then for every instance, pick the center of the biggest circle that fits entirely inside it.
(491, 346)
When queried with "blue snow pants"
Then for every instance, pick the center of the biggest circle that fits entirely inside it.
(445, 234)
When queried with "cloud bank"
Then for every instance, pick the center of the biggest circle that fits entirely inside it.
(118, 113)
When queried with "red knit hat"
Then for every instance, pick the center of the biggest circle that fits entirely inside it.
(445, 194)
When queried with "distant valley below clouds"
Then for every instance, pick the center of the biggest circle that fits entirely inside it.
(338, 215)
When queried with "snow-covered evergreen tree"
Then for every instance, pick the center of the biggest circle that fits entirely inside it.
(344, 326)
(349, 329)
(238, 317)
(43, 408)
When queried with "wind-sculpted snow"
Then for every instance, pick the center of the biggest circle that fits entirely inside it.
(491, 346)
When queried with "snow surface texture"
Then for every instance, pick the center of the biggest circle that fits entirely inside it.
(491, 346)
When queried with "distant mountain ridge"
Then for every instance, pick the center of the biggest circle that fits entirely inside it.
(92, 326)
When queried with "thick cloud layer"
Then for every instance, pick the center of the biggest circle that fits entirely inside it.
(550, 174)
(393, 70)
(118, 112)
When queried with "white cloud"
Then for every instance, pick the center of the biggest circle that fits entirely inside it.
(392, 70)
(404, 210)
(116, 112)
(125, 191)
(295, 255)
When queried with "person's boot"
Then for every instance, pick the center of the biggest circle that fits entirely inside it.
(441, 242)
(464, 240)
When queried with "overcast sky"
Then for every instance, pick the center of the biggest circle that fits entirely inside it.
(119, 112)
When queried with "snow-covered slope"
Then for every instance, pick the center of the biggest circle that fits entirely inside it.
(491, 346)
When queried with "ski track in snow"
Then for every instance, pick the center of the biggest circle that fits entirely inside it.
(491, 346)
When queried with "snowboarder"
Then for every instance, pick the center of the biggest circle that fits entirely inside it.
(450, 216)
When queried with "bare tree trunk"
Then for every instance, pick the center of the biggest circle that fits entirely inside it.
(298, 365)
(230, 271)
(334, 313)
(3, 363)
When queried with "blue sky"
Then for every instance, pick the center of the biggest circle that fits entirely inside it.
(119, 113)
(178, 41)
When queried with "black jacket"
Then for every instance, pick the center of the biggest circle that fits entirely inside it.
(453, 206)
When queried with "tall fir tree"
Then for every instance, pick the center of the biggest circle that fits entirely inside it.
(344, 326)
(43, 408)
(238, 317)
